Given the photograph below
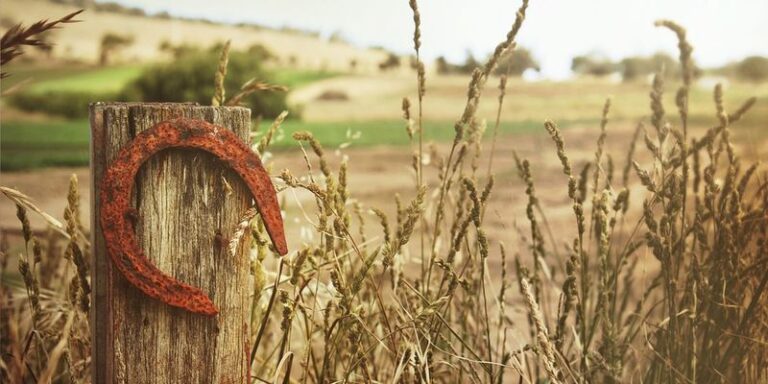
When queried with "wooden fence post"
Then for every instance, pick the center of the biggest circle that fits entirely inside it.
(184, 211)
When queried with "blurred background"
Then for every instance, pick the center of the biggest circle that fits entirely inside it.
(348, 64)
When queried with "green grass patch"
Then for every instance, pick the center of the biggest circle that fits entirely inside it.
(26, 145)
(34, 74)
(369, 133)
(113, 79)
(67, 92)
(72, 78)
(98, 80)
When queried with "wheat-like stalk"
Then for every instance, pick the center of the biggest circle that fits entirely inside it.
(221, 73)
(18, 36)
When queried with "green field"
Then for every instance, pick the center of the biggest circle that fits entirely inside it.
(102, 80)
(28, 145)
(80, 78)
(72, 79)
(32, 145)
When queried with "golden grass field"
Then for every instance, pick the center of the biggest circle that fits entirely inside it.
(470, 335)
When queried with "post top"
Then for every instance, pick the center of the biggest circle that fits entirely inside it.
(154, 104)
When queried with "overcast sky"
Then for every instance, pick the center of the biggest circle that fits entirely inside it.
(555, 30)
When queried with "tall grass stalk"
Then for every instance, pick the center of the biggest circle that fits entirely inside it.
(661, 279)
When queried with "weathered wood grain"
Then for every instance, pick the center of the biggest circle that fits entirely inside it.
(184, 213)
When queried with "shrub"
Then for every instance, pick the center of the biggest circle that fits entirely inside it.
(636, 67)
(516, 61)
(753, 68)
(333, 95)
(191, 78)
(111, 43)
(513, 63)
(71, 105)
(442, 65)
(176, 51)
(593, 65)
(446, 67)
(392, 61)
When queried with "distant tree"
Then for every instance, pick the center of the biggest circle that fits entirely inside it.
(337, 37)
(111, 43)
(753, 68)
(592, 65)
(165, 46)
(470, 63)
(76, 3)
(412, 62)
(392, 61)
(113, 8)
(446, 67)
(633, 68)
(442, 65)
(515, 62)
(636, 67)
(260, 52)
(176, 51)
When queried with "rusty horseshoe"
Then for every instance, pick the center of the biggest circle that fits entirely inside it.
(115, 194)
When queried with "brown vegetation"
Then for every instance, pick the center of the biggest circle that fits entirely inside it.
(419, 302)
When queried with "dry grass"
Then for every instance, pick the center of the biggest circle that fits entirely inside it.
(44, 322)
(418, 301)
(18, 36)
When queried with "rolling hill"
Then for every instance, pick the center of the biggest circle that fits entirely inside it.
(80, 42)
